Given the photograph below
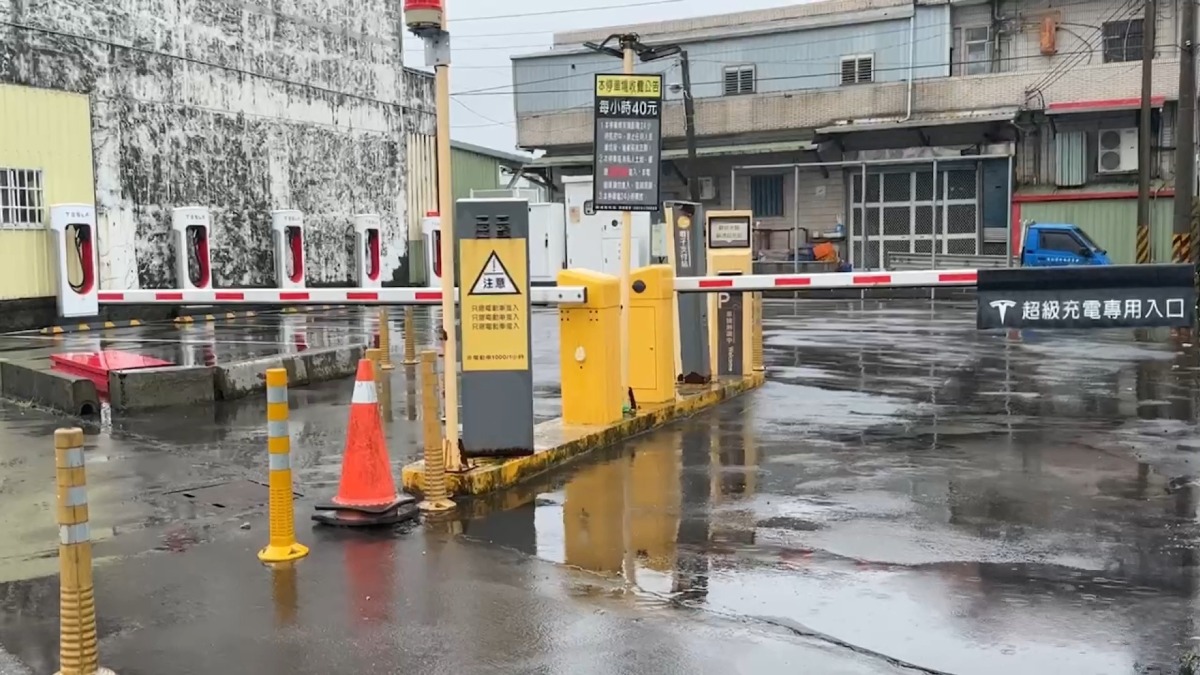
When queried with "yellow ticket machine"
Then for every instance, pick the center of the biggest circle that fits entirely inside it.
(731, 330)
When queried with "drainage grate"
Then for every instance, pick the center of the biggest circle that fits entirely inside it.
(237, 495)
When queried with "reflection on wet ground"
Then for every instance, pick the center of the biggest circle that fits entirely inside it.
(903, 486)
(966, 502)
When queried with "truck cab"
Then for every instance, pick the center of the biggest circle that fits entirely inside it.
(1059, 245)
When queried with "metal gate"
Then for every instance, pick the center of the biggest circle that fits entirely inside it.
(929, 206)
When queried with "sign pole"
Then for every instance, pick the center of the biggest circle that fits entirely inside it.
(626, 170)
(446, 211)
(626, 244)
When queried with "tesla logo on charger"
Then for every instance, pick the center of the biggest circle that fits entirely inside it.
(1002, 306)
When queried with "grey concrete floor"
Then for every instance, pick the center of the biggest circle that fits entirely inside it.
(904, 490)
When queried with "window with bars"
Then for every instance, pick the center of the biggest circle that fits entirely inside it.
(1123, 40)
(977, 50)
(766, 196)
(858, 69)
(21, 198)
(739, 80)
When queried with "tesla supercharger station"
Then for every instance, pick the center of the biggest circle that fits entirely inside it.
(432, 231)
(287, 233)
(367, 229)
(73, 235)
(191, 228)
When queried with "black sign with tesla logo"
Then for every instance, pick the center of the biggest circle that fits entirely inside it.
(1101, 296)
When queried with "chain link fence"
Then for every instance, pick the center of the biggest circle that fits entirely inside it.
(884, 214)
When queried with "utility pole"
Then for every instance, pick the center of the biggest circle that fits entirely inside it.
(427, 20)
(1185, 138)
(689, 126)
(1145, 156)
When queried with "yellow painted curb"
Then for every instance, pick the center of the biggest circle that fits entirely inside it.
(558, 444)
(81, 327)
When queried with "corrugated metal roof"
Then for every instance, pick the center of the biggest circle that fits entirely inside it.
(505, 158)
(713, 151)
(939, 120)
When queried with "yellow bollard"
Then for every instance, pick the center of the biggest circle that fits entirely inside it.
(385, 339)
(757, 362)
(282, 546)
(78, 646)
(374, 356)
(410, 338)
(436, 498)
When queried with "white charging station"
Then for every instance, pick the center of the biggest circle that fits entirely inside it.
(367, 248)
(287, 234)
(191, 230)
(73, 235)
(431, 230)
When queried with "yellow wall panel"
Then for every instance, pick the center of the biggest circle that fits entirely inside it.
(51, 131)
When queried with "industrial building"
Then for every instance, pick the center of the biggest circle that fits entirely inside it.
(916, 126)
(241, 107)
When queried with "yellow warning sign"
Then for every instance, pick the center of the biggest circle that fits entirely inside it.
(495, 306)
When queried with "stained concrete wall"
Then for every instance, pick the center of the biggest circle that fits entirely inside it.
(241, 105)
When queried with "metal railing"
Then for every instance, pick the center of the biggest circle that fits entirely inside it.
(901, 262)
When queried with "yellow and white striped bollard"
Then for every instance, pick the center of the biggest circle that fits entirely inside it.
(78, 645)
(283, 545)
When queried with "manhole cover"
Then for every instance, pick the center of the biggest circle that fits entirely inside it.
(237, 495)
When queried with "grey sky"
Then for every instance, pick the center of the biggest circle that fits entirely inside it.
(482, 49)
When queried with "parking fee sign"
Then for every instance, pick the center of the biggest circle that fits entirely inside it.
(628, 143)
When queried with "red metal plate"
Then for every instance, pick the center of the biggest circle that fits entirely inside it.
(96, 365)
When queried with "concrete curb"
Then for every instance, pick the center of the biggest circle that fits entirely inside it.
(559, 445)
(154, 388)
(71, 394)
(80, 327)
(238, 380)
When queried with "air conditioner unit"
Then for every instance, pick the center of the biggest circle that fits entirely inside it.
(1117, 150)
(708, 188)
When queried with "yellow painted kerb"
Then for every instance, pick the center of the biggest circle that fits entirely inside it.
(558, 444)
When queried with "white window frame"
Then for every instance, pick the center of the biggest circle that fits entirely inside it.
(739, 70)
(857, 59)
(22, 198)
(976, 66)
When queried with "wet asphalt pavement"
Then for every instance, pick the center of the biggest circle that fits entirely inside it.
(905, 491)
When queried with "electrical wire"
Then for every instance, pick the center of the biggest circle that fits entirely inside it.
(805, 76)
(209, 64)
(554, 12)
(1065, 66)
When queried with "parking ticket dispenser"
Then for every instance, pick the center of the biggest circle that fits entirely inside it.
(73, 233)
(191, 227)
(730, 324)
(687, 249)
(431, 230)
(367, 250)
(287, 235)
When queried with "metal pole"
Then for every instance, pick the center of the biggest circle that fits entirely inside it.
(689, 124)
(863, 221)
(1185, 140)
(795, 220)
(850, 162)
(1144, 139)
(732, 189)
(446, 210)
(936, 219)
(627, 45)
(1008, 219)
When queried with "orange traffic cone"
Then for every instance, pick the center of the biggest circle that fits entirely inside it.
(367, 492)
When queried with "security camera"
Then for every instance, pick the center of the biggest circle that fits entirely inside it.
(675, 87)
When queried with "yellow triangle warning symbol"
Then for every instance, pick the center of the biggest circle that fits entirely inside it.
(494, 279)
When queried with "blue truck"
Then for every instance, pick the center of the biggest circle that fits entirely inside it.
(1059, 245)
